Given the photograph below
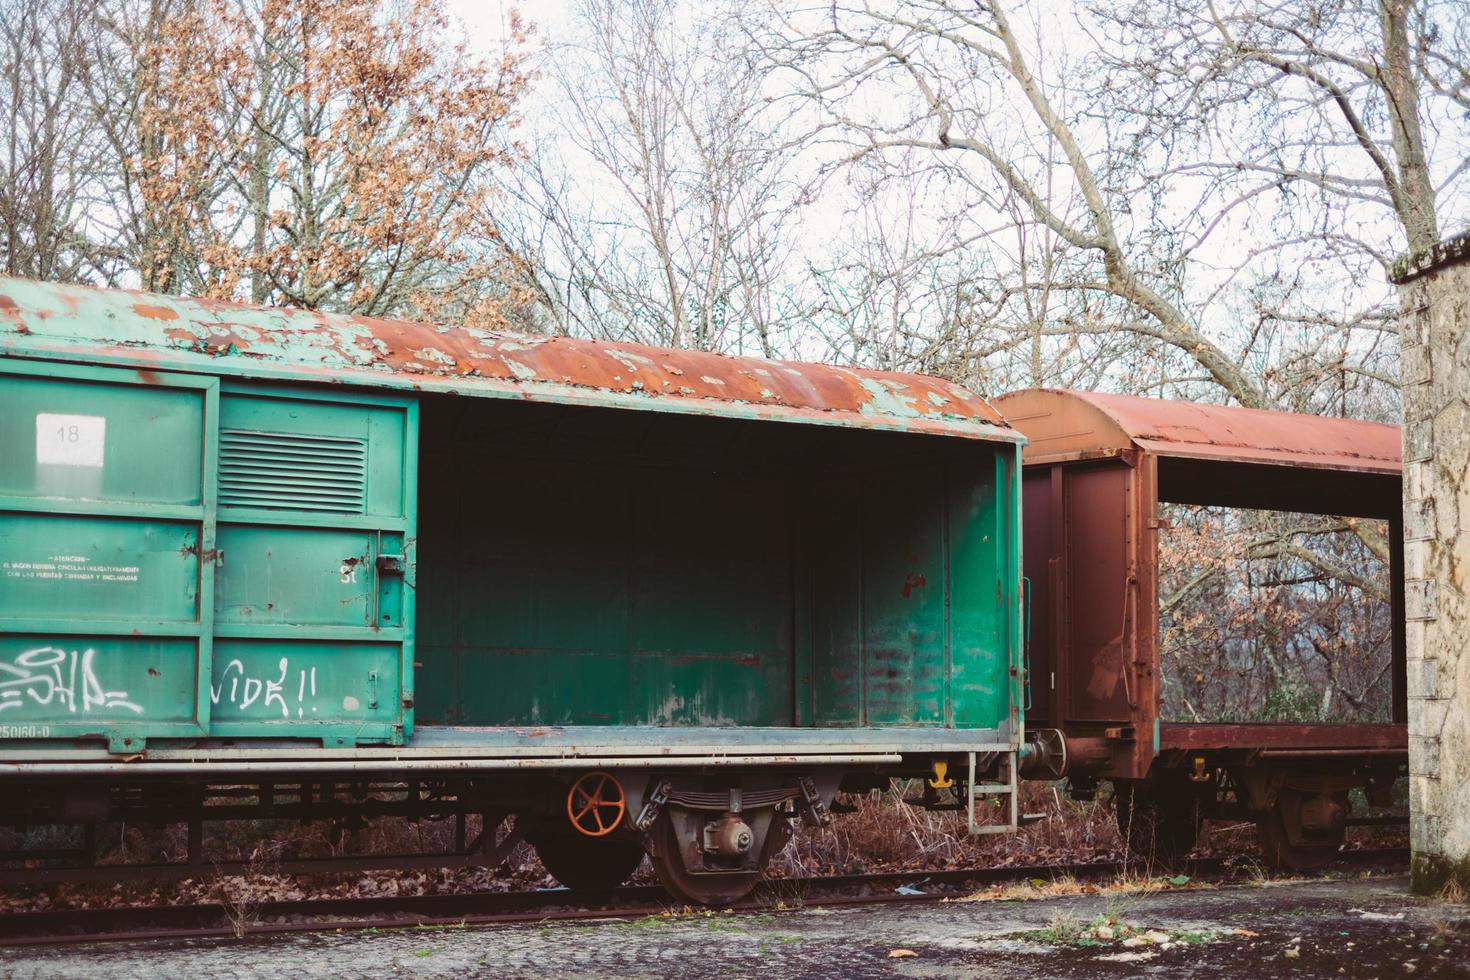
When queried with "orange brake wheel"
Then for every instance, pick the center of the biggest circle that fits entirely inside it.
(595, 804)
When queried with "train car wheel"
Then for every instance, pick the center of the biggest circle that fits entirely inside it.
(1302, 832)
(1159, 825)
(589, 864)
(689, 874)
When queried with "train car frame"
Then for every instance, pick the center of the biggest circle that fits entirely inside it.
(281, 563)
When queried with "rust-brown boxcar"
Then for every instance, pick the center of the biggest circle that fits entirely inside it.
(1098, 468)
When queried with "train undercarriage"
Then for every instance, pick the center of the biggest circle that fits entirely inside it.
(708, 833)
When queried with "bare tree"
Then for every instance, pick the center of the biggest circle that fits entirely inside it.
(1134, 160)
(158, 82)
(49, 163)
(1335, 135)
(956, 86)
(1359, 104)
(333, 154)
(1272, 617)
(369, 146)
(662, 218)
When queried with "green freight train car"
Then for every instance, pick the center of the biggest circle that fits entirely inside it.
(641, 599)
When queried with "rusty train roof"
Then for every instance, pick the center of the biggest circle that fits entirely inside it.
(153, 331)
(1062, 423)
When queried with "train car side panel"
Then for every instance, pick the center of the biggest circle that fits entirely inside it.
(985, 664)
(106, 537)
(1100, 683)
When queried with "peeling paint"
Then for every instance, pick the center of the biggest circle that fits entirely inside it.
(168, 332)
(433, 354)
(154, 312)
(523, 371)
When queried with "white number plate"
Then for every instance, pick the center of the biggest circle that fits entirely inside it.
(70, 440)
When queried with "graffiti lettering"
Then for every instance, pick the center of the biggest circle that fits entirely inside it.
(53, 676)
(240, 688)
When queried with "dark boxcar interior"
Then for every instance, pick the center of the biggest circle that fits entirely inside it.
(591, 566)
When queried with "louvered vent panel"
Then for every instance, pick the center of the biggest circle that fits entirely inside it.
(286, 471)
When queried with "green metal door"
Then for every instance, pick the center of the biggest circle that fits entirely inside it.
(313, 598)
(106, 546)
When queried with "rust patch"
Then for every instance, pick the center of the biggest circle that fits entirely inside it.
(1085, 421)
(153, 672)
(149, 377)
(1106, 680)
(222, 343)
(213, 344)
(328, 344)
(155, 312)
(691, 658)
(11, 310)
(912, 581)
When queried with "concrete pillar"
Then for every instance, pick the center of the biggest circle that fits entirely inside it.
(1434, 298)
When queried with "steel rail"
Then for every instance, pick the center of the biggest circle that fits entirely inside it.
(484, 908)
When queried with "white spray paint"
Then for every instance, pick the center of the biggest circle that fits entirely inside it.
(238, 687)
(53, 676)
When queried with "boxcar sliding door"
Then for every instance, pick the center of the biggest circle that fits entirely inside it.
(313, 601)
(1101, 593)
(106, 540)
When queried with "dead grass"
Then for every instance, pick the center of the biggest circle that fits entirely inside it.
(885, 834)
(1453, 893)
(1121, 886)
(241, 894)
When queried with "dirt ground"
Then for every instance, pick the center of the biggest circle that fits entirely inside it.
(1355, 927)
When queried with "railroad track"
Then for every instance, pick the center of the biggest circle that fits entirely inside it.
(439, 911)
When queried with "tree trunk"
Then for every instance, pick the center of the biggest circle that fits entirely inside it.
(1415, 198)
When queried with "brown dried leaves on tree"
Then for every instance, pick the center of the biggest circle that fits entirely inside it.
(1269, 616)
(331, 154)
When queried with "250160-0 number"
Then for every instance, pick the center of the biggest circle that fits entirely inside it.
(25, 731)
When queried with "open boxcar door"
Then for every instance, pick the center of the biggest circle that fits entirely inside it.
(1100, 569)
(1087, 527)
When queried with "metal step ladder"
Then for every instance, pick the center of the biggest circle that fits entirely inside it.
(1009, 788)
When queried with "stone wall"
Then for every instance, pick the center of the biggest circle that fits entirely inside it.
(1434, 292)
